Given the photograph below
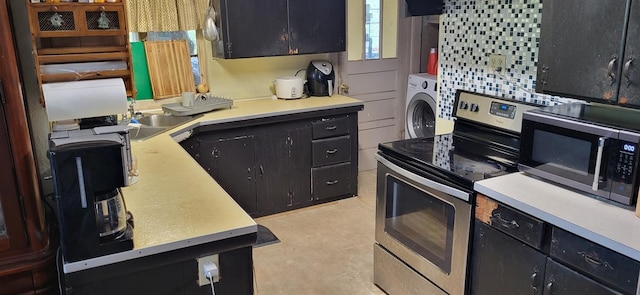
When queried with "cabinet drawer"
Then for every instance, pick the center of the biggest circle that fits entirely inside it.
(515, 223)
(598, 261)
(331, 150)
(330, 127)
(331, 181)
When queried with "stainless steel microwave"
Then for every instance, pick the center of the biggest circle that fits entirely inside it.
(589, 147)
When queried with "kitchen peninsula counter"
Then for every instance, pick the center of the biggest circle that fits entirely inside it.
(605, 223)
(175, 203)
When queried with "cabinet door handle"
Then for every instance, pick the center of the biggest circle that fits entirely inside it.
(329, 128)
(610, 68)
(548, 288)
(332, 151)
(534, 276)
(332, 182)
(504, 222)
(261, 170)
(625, 71)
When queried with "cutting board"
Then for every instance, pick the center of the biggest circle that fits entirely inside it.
(170, 69)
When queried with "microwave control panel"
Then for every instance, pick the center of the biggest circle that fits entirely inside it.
(626, 161)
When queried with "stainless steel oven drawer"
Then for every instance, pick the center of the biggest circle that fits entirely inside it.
(395, 277)
(331, 181)
(512, 222)
(330, 127)
(331, 150)
(598, 261)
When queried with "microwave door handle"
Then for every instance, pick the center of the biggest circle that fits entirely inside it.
(596, 173)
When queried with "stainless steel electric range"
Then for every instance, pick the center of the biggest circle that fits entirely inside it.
(425, 194)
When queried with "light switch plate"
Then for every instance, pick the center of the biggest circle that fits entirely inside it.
(497, 63)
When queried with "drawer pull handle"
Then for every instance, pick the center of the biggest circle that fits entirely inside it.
(504, 222)
(588, 258)
(332, 182)
(332, 151)
(329, 128)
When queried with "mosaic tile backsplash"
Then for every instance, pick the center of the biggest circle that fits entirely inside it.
(474, 29)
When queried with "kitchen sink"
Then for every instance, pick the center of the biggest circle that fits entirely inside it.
(144, 132)
(164, 120)
(151, 125)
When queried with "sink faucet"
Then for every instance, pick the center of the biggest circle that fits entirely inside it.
(130, 112)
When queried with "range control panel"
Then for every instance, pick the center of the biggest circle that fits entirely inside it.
(497, 112)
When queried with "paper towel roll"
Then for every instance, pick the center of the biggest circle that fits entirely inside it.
(84, 99)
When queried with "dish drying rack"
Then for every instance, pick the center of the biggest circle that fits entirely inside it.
(203, 103)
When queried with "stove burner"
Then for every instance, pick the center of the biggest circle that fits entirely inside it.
(421, 146)
(488, 168)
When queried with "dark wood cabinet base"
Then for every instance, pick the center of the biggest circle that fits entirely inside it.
(174, 272)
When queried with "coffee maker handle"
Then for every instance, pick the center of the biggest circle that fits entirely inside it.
(330, 87)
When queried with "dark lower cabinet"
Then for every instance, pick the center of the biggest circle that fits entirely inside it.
(282, 154)
(501, 264)
(527, 257)
(230, 160)
(561, 280)
(173, 272)
(286, 162)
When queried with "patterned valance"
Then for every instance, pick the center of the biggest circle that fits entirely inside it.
(165, 15)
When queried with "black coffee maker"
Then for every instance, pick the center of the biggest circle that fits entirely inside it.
(320, 78)
(89, 167)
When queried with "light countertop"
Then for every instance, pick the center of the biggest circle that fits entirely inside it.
(175, 203)
(602, 222)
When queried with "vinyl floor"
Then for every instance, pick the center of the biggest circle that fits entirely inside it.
(324, 249)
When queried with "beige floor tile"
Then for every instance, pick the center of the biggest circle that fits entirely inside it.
(325, 249)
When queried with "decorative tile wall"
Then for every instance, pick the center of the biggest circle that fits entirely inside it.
(471, 30)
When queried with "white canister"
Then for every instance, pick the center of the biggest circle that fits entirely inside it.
(290, 87)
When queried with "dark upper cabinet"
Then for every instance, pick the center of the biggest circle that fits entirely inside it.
(254, 28)
(317, 26)
(585, 53)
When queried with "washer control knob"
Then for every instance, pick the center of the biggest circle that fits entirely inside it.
(425, 84)
(464, 105)
(474, 108)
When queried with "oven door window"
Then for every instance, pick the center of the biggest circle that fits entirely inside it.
(420, 221)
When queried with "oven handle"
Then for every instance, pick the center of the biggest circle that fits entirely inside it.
(424, 181)
(596, 173)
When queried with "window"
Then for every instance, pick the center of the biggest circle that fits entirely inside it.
(372, 29)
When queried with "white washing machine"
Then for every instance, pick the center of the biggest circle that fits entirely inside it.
(421, 106)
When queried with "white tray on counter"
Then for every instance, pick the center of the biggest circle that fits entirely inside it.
(204, 104)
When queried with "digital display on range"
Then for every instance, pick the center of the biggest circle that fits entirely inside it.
(503, 110)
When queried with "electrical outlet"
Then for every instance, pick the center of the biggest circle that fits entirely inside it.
(497, 62)
(202, 278)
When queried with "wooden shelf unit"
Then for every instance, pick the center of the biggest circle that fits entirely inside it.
(79, 33)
